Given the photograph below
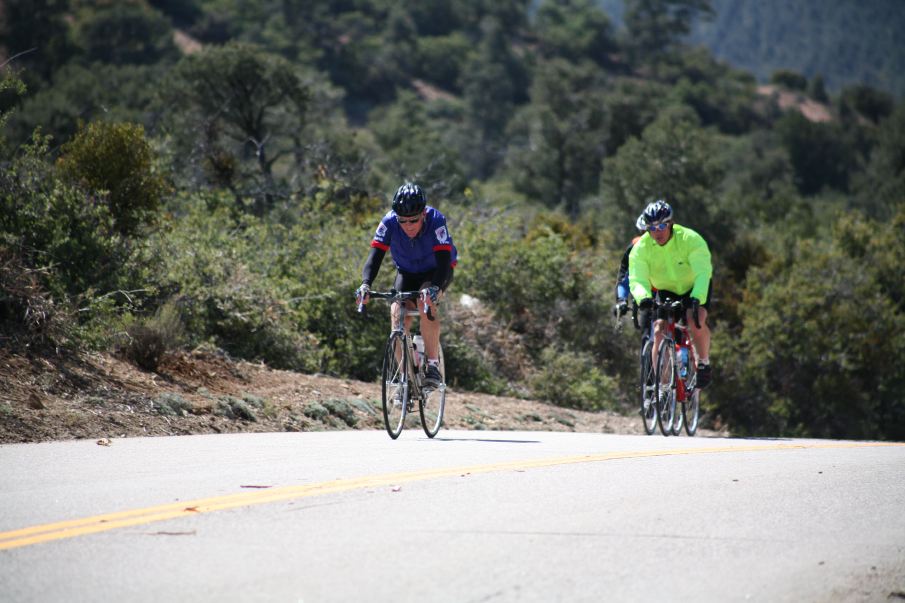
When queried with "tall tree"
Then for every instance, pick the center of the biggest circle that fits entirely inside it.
(656, 26)
(675, 159)
(574, 29)
(38, 28)
(243, 103)
(559, 138)
(882, 185)
(490, 82)
(125, 33)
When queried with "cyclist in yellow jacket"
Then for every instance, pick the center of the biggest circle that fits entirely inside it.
(673, 261)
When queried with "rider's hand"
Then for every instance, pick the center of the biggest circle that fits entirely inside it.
(620, 309)
(430, 293)
(361, 294)
(645, 309)
(691, 305)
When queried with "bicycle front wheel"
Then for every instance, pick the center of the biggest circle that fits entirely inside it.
(666, 386)
(433, 403)
(396, 389)
(692, 407)
(648, 389)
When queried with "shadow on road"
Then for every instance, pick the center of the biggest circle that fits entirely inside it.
(487, 440)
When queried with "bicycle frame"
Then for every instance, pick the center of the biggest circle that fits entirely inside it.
(677, 332)
(403, 378)
(397, 300)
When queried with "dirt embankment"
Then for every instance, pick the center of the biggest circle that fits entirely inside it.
(103, 397)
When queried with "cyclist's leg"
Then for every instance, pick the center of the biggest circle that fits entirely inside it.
(700, 338)
(659, 330)
(659, 319)
(406, 281)
(430, 329)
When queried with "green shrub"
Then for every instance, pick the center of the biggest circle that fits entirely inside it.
(316, 411)
(172, 405)
(115, 164)
(342, 410)
(573, 380)
(235, 408)
(789, 79)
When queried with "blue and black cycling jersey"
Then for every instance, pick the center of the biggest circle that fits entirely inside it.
(431, 252)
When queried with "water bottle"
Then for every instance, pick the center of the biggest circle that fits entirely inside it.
(683, 361)
(418, 343)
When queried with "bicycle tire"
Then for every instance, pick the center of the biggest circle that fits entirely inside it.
(433, 403)
(395, 385)
(679, 419)
(692, 407)
(648, 396)
(665, 386)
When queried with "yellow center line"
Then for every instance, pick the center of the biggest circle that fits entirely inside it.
(110, 521)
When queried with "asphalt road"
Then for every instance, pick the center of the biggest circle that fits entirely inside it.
(469, 516)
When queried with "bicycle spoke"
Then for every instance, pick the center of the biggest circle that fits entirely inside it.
(433, 403)
(396, 390)
(665, 385)
(648, 390)
(692, 407)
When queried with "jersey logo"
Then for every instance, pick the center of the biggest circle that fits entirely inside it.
(381, 230)
(442, 235)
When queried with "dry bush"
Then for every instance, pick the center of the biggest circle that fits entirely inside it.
(27, 310)
(149, 339)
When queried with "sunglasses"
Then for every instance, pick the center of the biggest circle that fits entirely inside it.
(409, 221)
(658, 227)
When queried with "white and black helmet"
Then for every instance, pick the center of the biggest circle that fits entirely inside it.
(409, 200)
(655, 213)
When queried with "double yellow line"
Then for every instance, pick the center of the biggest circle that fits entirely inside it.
(111, 521)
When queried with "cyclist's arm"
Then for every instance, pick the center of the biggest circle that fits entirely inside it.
(639, 276)
(372, 265)
(441, 272)
(700, 262)
(622, 290)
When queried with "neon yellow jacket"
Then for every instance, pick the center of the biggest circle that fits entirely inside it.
(680, 266)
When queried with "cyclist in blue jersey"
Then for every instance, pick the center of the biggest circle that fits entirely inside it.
(622, 291)
(417, 237)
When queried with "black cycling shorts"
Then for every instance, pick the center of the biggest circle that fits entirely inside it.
(413, 281)
(670, 296)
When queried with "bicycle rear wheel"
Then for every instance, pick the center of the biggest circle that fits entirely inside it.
(691, 410)
(396, 390)
(665, 386)
(433, 403)
(679, 420)
(648, 393)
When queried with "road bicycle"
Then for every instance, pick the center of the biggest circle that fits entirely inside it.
(670, 399)
(402, 371)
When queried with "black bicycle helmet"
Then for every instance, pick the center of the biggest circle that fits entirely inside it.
(409, 200)
(657, 212)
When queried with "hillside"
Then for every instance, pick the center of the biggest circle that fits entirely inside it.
(847, 43)
(101, 397)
